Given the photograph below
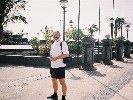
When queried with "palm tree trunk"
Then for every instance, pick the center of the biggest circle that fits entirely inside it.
(121, 32)
(1, 31)
(115, 31)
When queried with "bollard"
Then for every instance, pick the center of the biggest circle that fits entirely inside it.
(119, 50)
(88, 53)
(107, 51)
(127, 49)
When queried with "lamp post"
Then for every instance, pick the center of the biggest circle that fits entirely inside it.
(111, 22)
(63, 4)
(127, 28)
(127, 46)
(71, 23)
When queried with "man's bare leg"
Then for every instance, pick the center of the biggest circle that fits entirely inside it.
(64, 87)
(55, 84)
(55, 87)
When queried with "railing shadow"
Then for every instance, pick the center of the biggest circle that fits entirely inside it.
(94, 73)
(115, 66)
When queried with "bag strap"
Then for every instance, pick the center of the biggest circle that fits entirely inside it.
(61, 46)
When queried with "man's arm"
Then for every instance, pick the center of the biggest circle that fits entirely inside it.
(59, 57)
(62, 56)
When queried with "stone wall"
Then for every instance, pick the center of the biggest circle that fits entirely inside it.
(32, 60)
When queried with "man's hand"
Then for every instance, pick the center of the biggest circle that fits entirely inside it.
(53, 59)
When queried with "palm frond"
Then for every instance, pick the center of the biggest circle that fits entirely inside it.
(16, 18)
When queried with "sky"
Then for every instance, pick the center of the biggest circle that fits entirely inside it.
(40, 13)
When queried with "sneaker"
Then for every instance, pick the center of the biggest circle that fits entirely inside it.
(53, 97)
(63, 98)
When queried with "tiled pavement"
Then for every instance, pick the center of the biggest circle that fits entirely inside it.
(108, 82)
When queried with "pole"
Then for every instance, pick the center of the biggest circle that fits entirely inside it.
(112, 30)
(127, 34)
(78, 37)
(64, 24)
(113, 4)
(99, 35)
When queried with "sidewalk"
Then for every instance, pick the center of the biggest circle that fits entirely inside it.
(114, 82)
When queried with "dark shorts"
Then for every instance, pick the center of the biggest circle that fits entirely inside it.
(57, 73)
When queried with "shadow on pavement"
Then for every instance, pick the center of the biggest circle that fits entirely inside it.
(115, 66)
(95, 73)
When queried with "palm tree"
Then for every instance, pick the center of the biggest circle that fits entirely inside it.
(9, 12)
(118, 25)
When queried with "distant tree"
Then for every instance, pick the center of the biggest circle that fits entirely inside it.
(118, 25)
(72, 34)
(45, 48)
(9, 12)
(72, 39)
(91, 30)
(35, 43)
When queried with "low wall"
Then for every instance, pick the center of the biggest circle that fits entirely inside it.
(32, 60)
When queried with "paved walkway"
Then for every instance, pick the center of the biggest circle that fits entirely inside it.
(108, 82)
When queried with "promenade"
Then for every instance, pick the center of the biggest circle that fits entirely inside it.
(108, 82)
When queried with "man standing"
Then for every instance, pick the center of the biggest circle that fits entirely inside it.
(57, 69)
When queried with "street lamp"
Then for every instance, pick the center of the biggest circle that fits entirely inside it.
(111, 22)
(127, 28)
(63, 4)
(71, 23)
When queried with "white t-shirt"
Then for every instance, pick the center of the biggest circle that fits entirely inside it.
(56, 51)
